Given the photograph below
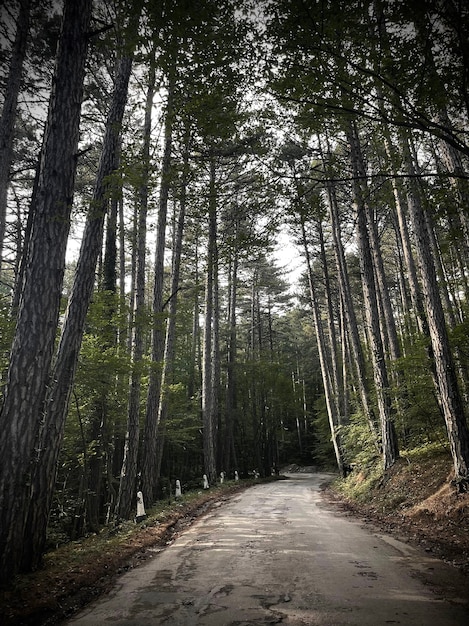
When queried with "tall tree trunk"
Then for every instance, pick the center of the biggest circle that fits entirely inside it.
(330, 397)
(216, 360)
(350, 316)
(336, 374)
(149, 459)
(418, 196)
(229, 458)
(99, 422)
(10, 102)
(170, 342)
(208, 373)
(344, 342)
(128, 476)
(66, 359)
(195, 360)
(109, 272)
(449, 393)
(388, 438)
(32, 349)
(388, 322)
(405, 240)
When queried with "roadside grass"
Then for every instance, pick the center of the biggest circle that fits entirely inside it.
(416, 475)
(160, 517)
(75, 573)
(415, 499)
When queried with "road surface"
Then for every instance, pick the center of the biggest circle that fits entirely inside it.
(278, 554)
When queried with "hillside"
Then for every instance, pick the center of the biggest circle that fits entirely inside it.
(414, 500)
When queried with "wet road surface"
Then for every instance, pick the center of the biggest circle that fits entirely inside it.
(278, 554)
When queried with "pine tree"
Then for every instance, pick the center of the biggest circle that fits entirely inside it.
(31, 353)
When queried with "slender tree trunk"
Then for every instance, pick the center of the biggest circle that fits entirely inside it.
(448, 307)
(229, 458)
(122, 338)
(128, 476)
(10, 102)
(331, 399)
(195, 361)
(350, 316)
(133, 279)
(31, 354)
(388, 322)
(402, 219)
(336, 374)
(170, 342)
(344, 359)
(416, 196)
(109, 270)
(99, 418)
(149, 457)
(216, 361)
(388, 438)
(208, 373)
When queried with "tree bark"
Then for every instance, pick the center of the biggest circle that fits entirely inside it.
(330, 397)
(209, 384)
(388, 438)
(170, 341)
(404, 236)
(449, 393)
(195, 359)
(229, 458)
(349, 311)
(10, 102)
(32, 349)
(66, 359)
(128, 476)
(149, 458)
(336, 378)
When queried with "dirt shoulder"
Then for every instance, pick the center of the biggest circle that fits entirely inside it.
(78, 572)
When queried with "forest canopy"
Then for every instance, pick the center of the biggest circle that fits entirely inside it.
(153, 154)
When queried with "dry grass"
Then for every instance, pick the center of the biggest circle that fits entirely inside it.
(415, 498)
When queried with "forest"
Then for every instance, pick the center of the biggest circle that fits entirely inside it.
(155, 158)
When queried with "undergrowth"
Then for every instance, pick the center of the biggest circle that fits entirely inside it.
(415, 475)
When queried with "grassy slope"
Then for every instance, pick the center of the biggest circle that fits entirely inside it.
(414, 499)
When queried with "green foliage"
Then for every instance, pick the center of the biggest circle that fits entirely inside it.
(425, 451)
(322, 450)
(357, 442)
(420, 420)
(361, 482)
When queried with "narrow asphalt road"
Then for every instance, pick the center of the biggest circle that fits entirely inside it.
(278, 554)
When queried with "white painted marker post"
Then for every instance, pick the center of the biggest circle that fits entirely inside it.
(178, 492)
(141, 515)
